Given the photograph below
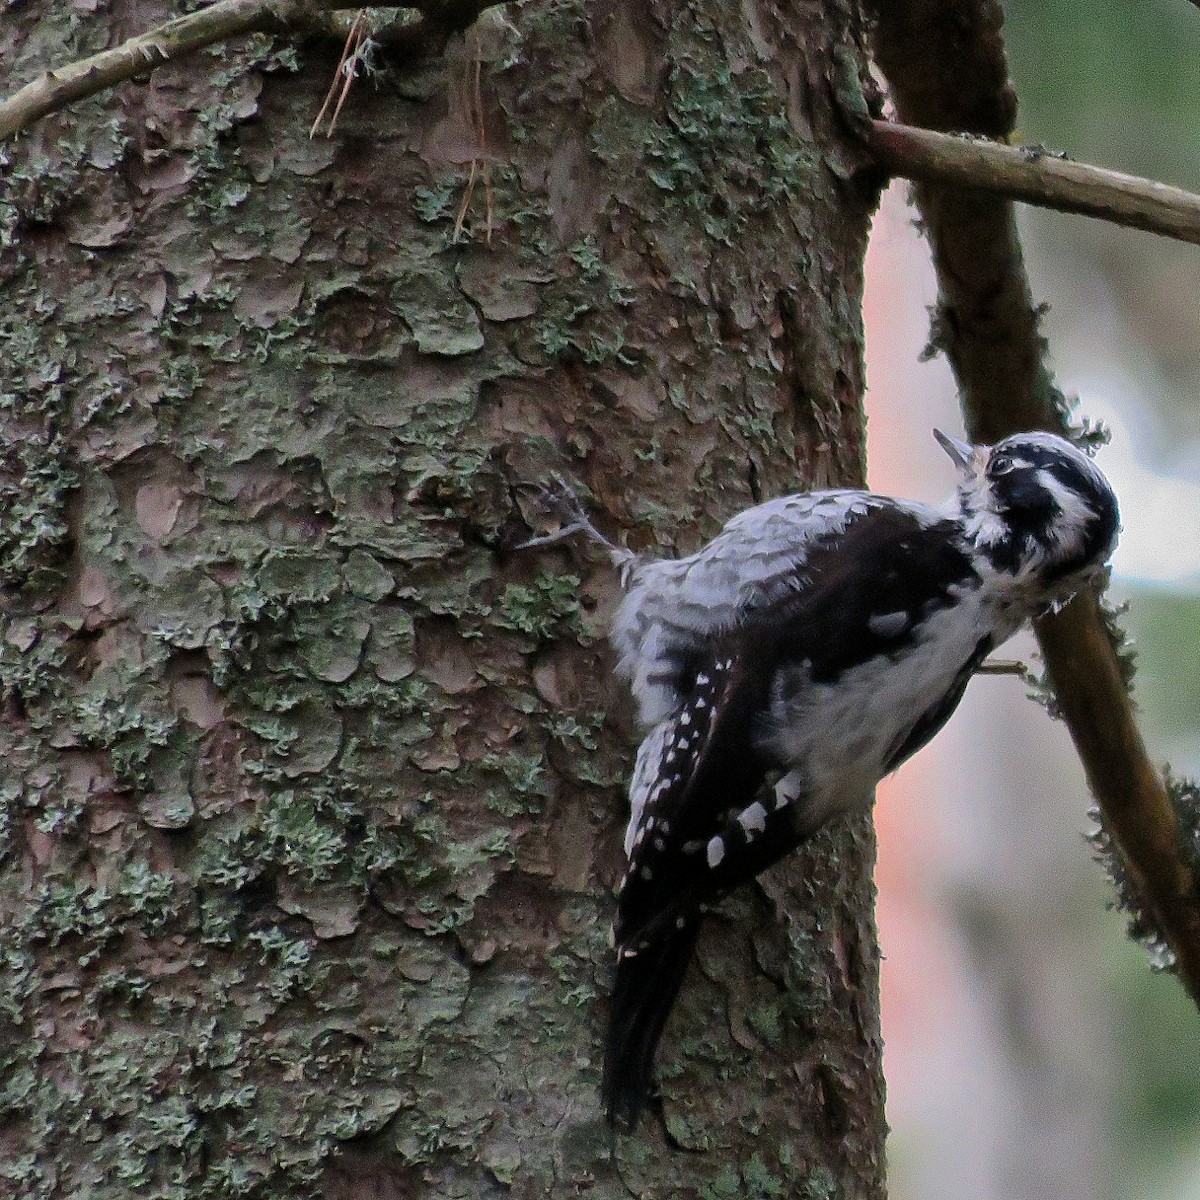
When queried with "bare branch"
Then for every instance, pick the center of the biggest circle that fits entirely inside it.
(184, 35)
(1037, 177)
(945, 63)
(220, 22)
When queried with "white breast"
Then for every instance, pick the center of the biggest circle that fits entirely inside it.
(839, 735)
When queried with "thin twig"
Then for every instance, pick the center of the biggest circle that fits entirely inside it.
(1036, 176)
(354, 43)
(480, 162)
(481, 138)
(349, 47)
(945, 64)
(220, 22)
(465, 205)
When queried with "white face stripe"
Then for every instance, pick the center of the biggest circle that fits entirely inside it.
(1074, 512)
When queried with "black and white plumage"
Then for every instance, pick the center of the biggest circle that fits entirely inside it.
(805, 652)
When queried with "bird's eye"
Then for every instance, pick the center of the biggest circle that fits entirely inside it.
(1001, 464)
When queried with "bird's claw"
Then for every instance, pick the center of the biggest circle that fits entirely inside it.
(562, 500)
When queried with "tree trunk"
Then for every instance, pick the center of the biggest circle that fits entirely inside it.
(312, 801)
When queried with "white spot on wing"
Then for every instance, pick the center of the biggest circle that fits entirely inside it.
(716, 851)
(753, 819)
(789, 789)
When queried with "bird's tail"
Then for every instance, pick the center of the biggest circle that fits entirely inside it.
(648, 981)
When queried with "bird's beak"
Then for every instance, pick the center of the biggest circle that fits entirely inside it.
(962, 454)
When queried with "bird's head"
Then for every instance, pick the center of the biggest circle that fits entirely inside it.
(1036, 506)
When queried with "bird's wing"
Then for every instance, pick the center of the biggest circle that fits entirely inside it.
(701, 767)
(761, 560)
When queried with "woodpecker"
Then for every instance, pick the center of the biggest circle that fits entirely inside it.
(795, 660)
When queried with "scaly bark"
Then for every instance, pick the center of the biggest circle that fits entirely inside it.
(313, 788)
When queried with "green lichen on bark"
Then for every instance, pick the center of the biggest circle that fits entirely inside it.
(36, 472)
(310, 808)
(1141, 924)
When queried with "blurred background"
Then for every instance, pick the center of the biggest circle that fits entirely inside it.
(1030, 1051)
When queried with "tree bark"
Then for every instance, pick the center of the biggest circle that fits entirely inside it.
(312, 800)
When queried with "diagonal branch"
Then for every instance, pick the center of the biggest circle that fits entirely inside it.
(220, 22)
(184, 35)
(1031, 174)
(946, 66)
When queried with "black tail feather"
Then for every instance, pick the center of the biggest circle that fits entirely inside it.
(648, 981)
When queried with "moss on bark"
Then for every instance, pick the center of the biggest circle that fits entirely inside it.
(312, 795)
